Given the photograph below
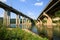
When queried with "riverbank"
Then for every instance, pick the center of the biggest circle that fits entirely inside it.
(17, 34)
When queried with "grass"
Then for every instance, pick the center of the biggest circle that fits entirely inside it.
(17, 34)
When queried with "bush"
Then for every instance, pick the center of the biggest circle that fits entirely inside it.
(17, 34)
(3, 31)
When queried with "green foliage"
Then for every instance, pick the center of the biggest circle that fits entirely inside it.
(17, 34)
(56, 31)
(44, 21)
(57, 14)
(12, 21)
(3, 31)
(56, 21)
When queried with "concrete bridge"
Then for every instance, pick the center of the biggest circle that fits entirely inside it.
(49, 13)
(8, 9)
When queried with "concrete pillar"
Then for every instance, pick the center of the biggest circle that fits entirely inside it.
(40, 22)
(40, 25)
(49, 27)
(22, 22)
(6, 20)
(49, 20)
(17, 21)
(26, 22)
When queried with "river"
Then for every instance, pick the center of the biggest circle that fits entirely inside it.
(55, 31)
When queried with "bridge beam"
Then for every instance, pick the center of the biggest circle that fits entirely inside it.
(6, 19)
(17, 21)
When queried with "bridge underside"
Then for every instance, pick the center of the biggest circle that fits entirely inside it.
(51, 10)
(48, 13)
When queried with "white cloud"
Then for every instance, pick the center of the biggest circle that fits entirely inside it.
(31, 14)
(3, 0)
(38, 4)
(22, 0)
(38, 0)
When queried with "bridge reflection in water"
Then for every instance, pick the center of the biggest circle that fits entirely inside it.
(53, 33)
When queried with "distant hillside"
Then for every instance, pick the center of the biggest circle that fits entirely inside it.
(12, 21)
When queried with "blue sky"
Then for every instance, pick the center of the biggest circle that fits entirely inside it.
(31, 8)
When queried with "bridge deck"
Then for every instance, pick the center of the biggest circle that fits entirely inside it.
(6, 7)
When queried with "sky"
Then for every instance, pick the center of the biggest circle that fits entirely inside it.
(31, 8)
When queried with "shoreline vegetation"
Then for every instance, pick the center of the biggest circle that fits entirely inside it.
(17, 34)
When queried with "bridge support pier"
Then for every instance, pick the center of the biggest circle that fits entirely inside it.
(17, 21)
(28, 24)
(49, 27)
(22, 22)
(6, 19)
(40, 25)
